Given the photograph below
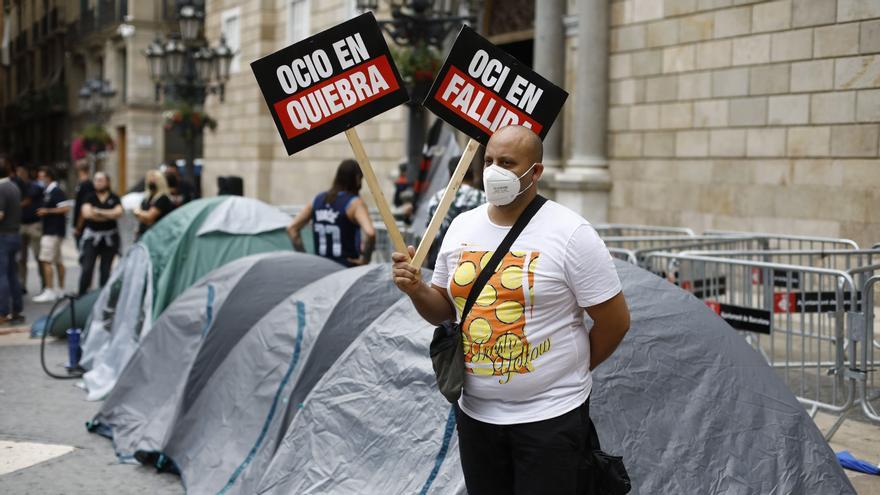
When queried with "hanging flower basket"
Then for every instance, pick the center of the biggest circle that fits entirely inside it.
(187, 121)
(95, 139)
(418, 66)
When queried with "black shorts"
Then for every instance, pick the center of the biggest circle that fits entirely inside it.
(540, 458)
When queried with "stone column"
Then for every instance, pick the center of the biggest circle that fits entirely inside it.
(585, 183)
(548, 57)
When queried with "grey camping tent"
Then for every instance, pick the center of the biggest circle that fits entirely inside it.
(139, 411)
(296, 408)
(185, 245)
(687, 403)
(243, 379)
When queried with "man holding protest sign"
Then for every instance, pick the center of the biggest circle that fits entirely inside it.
(523, 415)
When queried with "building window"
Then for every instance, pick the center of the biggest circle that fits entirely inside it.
(298, 20)
(230, 27)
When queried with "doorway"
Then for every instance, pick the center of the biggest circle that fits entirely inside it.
(510, 25)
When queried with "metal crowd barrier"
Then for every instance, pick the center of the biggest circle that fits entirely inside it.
(624, 229)
(852, 261)
(627, 255)
(813, 324)
(865, 347)
(783, 241)
(384, 246)
(636, 248)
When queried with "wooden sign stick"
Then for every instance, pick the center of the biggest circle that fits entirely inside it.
(445, 202)
(370, 177)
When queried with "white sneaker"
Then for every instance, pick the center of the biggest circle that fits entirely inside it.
(48, 295)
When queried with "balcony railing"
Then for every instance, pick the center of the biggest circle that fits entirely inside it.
(107, 13)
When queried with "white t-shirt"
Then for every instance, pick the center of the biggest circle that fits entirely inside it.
(527, 351)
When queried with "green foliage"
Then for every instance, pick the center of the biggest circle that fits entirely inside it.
(187, 121)
(96, 138)
(418, 64)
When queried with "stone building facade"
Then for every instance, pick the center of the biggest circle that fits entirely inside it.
(58, 45)
(722, 114)
(746, 115)
(245, 142)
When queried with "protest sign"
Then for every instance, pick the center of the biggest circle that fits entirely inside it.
(329, 83)
(481, 89)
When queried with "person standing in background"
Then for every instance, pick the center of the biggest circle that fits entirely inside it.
(467, 197)
(84, 189)
(156, 204)
(101, 233)
(10, 243)
(31, 226)
(54, 229)
(339, 217)
(180, 190)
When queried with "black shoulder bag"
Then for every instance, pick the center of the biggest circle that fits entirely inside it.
(447, 353)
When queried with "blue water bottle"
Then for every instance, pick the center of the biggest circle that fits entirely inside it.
(74, 351)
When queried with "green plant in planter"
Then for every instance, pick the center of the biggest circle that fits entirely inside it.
(418, 65)
(187, 121)
(95, 138)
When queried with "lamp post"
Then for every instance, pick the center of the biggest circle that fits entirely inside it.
(421, 24)
(94, 98)
(184, 68)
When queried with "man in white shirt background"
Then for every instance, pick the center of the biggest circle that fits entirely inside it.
(523, 417)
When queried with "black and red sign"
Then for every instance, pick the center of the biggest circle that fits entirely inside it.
(781, 278)
(742, 317)
(330, 82)
(708, 287)
(481, 88)
(814, 302)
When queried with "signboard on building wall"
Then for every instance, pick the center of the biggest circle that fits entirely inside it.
(330, 82)
(481, 88)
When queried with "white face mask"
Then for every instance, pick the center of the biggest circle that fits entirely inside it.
(502, 185)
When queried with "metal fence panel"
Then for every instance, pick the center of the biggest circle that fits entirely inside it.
(796, 317)
(784, 241)
(623, 229)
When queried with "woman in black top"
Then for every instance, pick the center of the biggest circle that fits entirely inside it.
(156, 204)
(100, 237)
(342, 228)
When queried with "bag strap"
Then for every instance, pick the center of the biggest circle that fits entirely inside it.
(524, 218)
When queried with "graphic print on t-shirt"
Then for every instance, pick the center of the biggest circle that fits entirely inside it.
(495, 337)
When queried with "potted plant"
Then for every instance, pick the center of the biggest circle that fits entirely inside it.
(188, 121)
(418, 65)
(95, 139)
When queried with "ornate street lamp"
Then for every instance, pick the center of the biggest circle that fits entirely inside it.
(94, 98)
(421, 25)
(190, 22)
(185, 69)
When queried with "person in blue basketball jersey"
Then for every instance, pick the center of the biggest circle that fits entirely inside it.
(341, 226)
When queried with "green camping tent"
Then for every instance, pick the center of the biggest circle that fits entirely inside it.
(169, 258)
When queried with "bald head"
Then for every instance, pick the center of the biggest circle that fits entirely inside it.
(521, 139)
